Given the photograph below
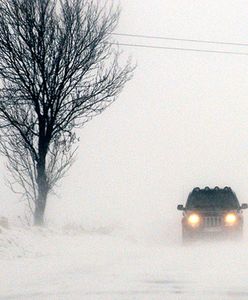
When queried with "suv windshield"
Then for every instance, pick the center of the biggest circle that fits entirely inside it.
(212, 199)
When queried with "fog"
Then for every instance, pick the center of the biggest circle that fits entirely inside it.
(181, 122)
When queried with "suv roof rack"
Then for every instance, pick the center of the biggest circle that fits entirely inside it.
(216, 188)
(227, 189)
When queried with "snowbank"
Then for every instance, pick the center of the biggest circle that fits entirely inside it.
(74, 263)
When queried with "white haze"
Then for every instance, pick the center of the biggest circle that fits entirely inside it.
(181, 122)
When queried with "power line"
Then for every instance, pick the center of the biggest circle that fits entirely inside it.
(181, 49)
(179, 39)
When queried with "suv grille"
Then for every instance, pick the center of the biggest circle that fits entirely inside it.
(212, 221)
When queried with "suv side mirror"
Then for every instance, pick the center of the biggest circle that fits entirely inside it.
(244, 206)
(180, 207)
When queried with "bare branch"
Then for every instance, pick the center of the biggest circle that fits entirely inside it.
(58, 69)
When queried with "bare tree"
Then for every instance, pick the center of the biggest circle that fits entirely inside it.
(58, 69)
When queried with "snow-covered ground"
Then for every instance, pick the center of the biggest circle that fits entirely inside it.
(74, 264)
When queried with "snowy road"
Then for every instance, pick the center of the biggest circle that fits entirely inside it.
(84, 266)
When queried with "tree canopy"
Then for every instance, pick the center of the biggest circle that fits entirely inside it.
(58, 69)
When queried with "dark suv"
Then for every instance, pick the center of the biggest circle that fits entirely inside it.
(212, 212)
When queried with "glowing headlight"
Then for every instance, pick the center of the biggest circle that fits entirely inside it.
(194, 220)
(230, 218)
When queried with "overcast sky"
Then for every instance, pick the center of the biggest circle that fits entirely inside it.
(181, 122)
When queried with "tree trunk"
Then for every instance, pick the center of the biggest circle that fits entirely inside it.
(39, 212)
(40, 203)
